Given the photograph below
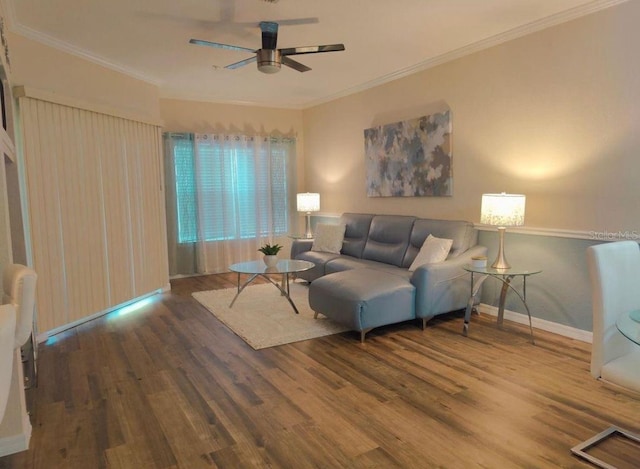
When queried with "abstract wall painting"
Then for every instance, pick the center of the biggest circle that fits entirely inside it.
(411, 158)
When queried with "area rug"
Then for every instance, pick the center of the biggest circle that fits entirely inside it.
(263, 318)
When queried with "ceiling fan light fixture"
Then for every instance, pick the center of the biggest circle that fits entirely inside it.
(269, 61)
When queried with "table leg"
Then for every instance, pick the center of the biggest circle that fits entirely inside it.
(283, 286)
(283, 291)
(474, 292)
(240, 288)
(506, 282)
(524, 302)
(580, 450)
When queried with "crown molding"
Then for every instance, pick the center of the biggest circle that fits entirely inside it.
(16, 27)
(501, 38)
(81, 53)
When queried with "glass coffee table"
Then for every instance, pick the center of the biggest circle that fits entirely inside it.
(285, 267)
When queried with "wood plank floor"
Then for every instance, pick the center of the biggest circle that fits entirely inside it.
(168, 386)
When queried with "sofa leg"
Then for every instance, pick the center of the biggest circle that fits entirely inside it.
(424, 322)
(362, 334)
(315, 315)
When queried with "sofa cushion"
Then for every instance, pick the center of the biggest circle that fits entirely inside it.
(462, 233)
(432, 251)
(342, 263)
(388, 239)
(356, 232)
(328, 238)
(363, 299)
(320, 260)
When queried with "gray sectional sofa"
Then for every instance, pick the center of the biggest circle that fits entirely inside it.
(368, 283)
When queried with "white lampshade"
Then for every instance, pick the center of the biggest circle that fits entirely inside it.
(502, 209)
(308, 202)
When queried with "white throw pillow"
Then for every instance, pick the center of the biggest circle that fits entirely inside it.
(328, 238)
(433, 250)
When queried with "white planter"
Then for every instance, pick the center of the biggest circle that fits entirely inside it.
(270, 261)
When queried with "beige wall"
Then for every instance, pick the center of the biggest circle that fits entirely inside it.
(196, 116)
(554, 115)
(39, 66)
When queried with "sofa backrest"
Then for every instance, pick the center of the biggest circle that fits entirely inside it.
(397, 239)
(355, 233)
(388, 239)
(463, 234)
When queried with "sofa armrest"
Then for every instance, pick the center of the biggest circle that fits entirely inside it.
(299, 246)
(444, 286)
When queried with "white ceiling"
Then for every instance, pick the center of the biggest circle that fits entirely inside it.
(384, 39)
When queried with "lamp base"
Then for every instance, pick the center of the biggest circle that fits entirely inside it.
(308, 232)
(501, 260)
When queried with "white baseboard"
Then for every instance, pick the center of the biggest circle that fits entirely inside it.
(44, 336)
(549, 326)
(16, 443)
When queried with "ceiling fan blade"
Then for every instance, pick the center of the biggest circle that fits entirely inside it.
(269, 34)
(242, 63)
(294, 64)
(290, 22)
(297, 21)
(200, 42)
(312, 49)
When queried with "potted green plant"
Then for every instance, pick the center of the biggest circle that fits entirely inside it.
(270, 252)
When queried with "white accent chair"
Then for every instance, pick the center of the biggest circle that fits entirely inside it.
(16, 323)
(7, 334)
(614, 269)
(19, 285)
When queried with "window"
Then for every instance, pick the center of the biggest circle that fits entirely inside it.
(231, 187)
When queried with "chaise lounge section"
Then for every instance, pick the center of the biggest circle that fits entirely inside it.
(370, 281)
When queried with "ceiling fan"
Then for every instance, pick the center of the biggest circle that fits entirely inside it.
(269, 58)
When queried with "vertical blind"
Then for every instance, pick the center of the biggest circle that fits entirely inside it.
(230, 193)
(94, 188)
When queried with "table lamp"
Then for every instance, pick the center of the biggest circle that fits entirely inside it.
(308, 202)
(502, 210)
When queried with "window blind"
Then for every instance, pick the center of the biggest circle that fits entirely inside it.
(94, 185)
(230, 187)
